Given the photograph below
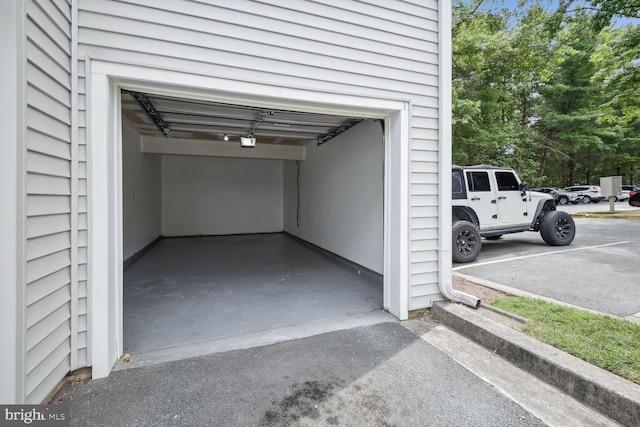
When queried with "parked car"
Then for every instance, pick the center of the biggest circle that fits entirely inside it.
(561, 196)
(590, 193)
(627, 192)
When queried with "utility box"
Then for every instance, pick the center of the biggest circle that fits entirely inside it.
(611, 186)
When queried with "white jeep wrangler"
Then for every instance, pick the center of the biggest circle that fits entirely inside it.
(490, 201)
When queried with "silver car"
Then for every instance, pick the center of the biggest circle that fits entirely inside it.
(590, 193)
(561, 196)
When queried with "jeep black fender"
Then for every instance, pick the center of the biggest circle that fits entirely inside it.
(543, 207)
(464, 213)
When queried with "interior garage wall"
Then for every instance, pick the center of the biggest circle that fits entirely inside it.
(141, 194)
(341, 196)
(214, 196)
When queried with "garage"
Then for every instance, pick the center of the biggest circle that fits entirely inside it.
(323, 127)
(241, 220)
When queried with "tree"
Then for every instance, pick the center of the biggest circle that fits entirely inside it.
(497, 70)
(618, 73)
(616, 57)
(477, 136)
(569, 121)
(606, 11)
(547, 92)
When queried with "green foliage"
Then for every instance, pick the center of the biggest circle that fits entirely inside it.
(610, 343)
(607, 10)
(493, 100)
(547, 92)
(616, 57)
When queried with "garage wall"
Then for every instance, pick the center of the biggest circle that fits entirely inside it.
(50, 309)
(341, 196)
(213, 196)
(141, 194)
(384, 49)
(378, 48)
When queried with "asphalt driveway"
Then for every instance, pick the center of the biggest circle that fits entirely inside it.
(380, 375)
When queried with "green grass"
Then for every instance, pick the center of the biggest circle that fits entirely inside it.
(609, 343)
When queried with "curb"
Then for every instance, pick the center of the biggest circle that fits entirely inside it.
(603, 391)
(624, 213)
(623, 216)
(634, 318)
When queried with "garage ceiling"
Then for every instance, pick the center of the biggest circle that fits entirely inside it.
(183, 119)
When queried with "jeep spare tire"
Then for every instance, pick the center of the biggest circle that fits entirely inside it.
(557, 228)
(466, 241)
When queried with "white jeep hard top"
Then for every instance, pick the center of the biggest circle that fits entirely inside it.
(491, 201)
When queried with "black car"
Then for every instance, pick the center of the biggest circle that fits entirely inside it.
(627, 192)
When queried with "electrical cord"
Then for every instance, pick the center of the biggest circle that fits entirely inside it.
(298, 194)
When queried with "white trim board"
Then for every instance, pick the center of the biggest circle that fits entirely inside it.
(12, 312)
(107, 78)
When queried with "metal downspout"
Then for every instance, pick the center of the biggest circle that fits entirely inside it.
(444, 160)
(458, 296)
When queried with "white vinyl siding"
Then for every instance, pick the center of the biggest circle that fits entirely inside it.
(48, 196)
(379, 48)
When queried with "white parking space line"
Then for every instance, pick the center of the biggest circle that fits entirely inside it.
(496, 261)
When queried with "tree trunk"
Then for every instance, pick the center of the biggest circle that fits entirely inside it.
(589, 171)
(543, 162)
(571, 167)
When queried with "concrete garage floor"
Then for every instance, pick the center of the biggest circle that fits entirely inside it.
(192, 289)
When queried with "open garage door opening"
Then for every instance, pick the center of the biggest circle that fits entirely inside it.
(239, 221)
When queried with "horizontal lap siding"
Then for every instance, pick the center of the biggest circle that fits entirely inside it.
(48, 202)
(270, 43)
(384, 48)
(424, 179)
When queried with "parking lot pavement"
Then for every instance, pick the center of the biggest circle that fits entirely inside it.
(373, 375)
(597, 271)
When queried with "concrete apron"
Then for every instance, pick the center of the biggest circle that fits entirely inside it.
(198, 295)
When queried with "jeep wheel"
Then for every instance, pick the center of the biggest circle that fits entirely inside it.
(557, 228)
(466, 241)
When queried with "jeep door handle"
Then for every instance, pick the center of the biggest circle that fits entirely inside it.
(475, 198)
(502, 198)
